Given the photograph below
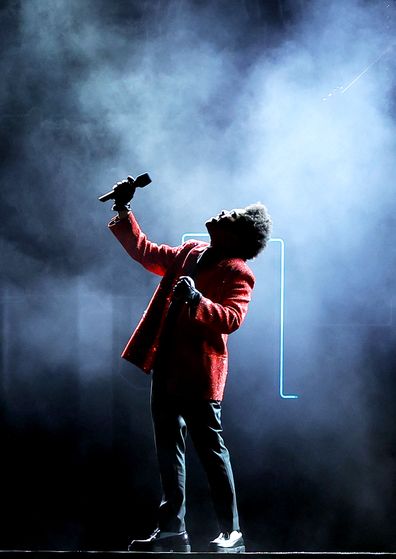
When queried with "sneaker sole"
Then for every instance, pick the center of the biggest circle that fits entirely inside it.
(237, 549)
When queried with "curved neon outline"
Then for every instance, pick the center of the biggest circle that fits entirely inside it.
(282, 312)
(194, 235)
(282, 322)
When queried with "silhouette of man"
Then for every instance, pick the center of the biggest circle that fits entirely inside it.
(182, 339)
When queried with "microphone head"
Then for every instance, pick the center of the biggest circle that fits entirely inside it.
(142, 180)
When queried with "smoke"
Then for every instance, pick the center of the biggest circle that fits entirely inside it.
(223, 104)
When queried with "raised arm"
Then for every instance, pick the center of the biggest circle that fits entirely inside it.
(155, 258)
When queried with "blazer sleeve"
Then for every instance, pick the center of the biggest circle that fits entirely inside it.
(227, 315)
(155, 258)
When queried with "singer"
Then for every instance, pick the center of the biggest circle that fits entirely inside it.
(203, 297)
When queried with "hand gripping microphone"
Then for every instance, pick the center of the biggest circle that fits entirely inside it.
(139, 182)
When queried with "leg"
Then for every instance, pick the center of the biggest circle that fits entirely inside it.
(170, 434)
(204, 424)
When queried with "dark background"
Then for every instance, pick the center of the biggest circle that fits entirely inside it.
(224, 103)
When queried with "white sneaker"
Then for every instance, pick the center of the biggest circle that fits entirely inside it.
(228, 542)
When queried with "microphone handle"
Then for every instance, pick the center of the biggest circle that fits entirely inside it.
(107, 196)
(140, 182)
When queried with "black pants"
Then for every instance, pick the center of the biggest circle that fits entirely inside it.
(172, 417)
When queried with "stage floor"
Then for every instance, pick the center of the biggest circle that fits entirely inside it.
(53, 554)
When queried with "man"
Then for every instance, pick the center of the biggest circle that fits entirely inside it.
(182, 338)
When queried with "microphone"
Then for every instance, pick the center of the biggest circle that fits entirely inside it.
(140, 182)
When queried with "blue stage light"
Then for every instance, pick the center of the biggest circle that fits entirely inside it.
(282, 394)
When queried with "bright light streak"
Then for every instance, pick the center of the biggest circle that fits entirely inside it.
(365, 70)
(282, 322)
(282, 309)
(342, 89)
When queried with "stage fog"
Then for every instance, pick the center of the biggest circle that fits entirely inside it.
(225, 103)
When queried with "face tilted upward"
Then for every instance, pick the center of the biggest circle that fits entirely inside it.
(224, 230)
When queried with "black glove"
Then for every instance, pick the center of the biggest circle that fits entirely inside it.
(185, 291)
(123, 194)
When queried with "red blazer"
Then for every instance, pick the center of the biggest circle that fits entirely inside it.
(199, 347)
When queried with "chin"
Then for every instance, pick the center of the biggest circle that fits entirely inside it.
(209, 224)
